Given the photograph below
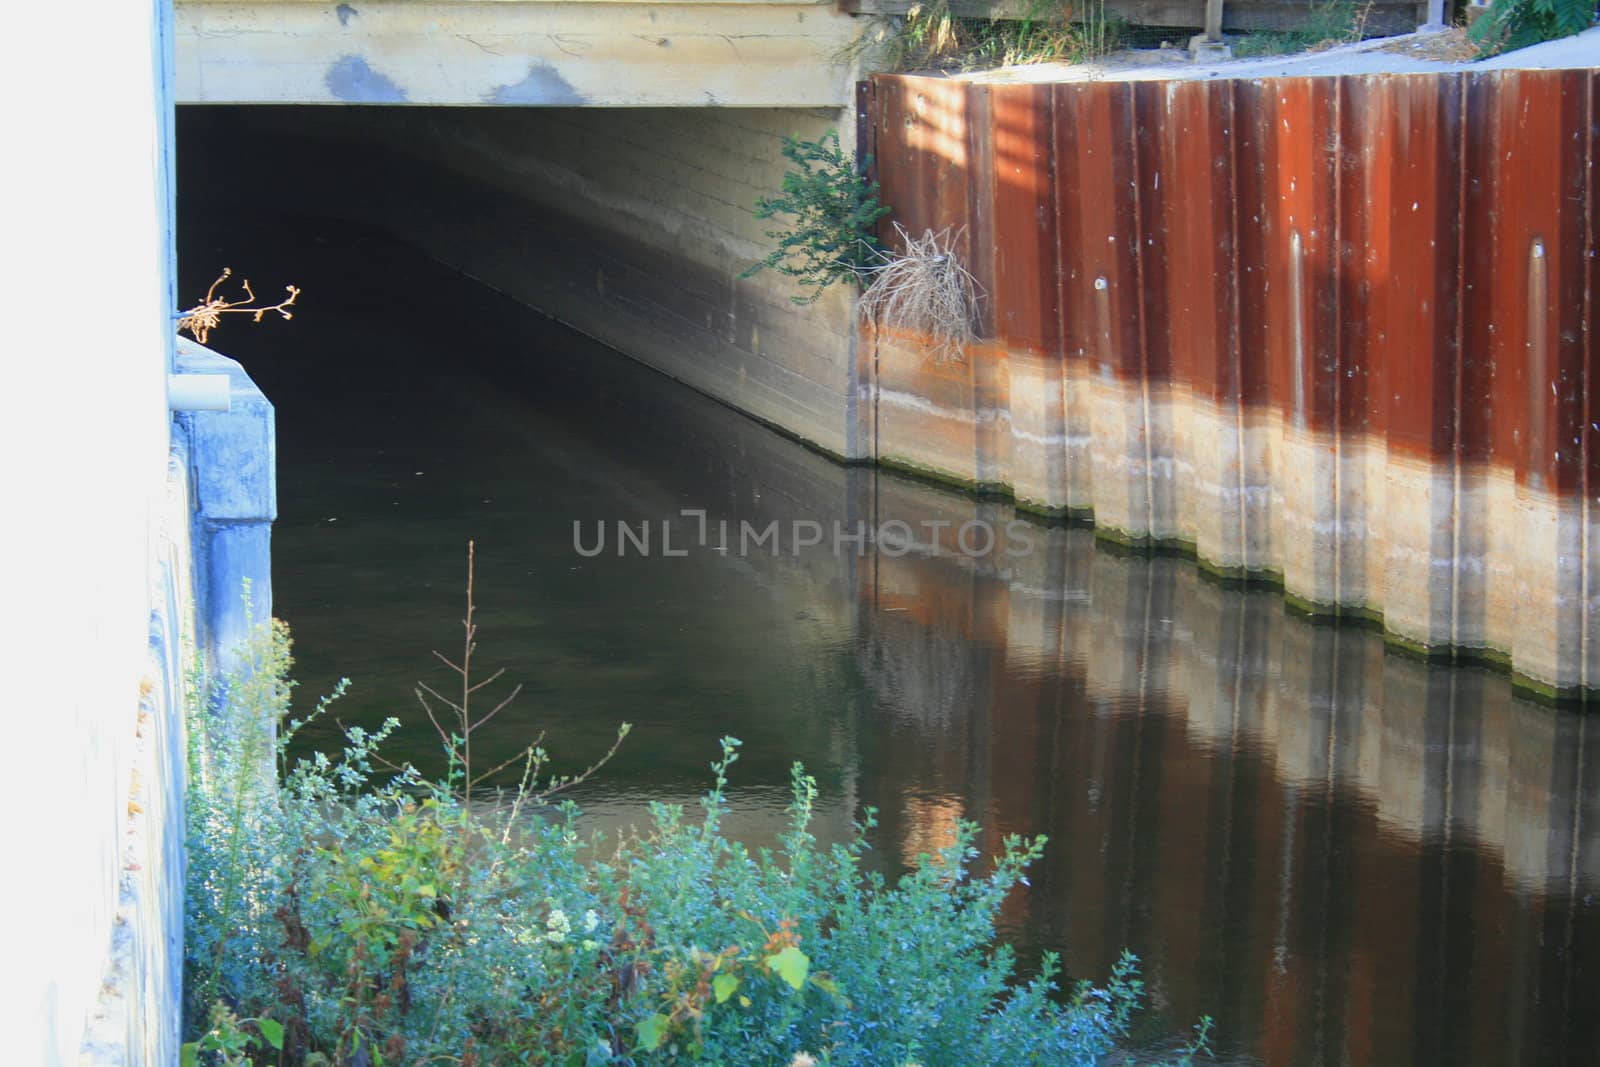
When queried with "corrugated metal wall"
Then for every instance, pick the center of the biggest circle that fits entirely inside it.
(1333, 330)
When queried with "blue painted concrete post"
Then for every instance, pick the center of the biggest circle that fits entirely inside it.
(233, 474)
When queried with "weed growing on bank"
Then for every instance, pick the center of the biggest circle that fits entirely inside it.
(1324, 25)
(931, 37)
(352, 914)
(834, 210)
(922, 287)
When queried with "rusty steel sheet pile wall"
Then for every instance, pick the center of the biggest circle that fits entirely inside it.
(1334, 332)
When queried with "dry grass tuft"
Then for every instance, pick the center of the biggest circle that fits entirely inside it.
(924, 289)
(206, 316)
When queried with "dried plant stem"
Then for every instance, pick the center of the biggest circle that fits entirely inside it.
(457, 738)
(206, 316)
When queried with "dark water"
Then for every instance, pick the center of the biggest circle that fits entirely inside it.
(1342, 855)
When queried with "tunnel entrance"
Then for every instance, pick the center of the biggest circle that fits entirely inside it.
(633, 226)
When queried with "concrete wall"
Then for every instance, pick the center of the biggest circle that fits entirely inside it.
(632, 225)
(208, 534)
(233, 472)
(136, 976)
(98, 620)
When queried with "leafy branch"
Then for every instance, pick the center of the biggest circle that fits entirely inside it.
(1512, 24)
(835, 210)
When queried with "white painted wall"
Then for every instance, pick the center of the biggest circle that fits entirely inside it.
(83, 460)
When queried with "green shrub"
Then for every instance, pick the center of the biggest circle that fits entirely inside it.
(1513, 24)
(835, 210)
(357, 916)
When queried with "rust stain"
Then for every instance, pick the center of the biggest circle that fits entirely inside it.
(1023, 273)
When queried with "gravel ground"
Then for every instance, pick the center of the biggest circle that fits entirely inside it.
(1394, 55)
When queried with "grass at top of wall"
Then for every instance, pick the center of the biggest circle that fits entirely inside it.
(930, 37)
(1326, 25)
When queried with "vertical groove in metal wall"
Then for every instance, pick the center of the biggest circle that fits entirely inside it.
(1234, 354)
(1297, 328)
(1146, 428)
(1538, 348)
(1589, 416)
(1458, 408)
(1057, 258)
(1335, 423)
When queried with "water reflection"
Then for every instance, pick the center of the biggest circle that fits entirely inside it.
(1345, 856)
(1348, 856)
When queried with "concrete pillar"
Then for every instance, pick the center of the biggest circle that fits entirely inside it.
(233, 471)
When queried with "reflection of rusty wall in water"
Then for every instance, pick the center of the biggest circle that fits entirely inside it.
(1290, 824)
(1330, 330)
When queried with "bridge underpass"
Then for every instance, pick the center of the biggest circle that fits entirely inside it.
(606, 171)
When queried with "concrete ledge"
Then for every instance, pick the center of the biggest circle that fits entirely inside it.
(727, 53)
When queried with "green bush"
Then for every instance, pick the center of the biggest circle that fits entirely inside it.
(1513, 24)
(834, 210)
(356, 915)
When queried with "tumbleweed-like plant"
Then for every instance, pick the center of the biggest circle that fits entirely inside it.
(206, 316)
(924, 289)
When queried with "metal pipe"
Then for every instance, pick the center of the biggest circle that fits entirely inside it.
(199, 392)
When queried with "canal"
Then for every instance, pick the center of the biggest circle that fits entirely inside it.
(1344, 856)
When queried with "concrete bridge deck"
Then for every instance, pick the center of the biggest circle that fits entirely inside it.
(564, 53)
